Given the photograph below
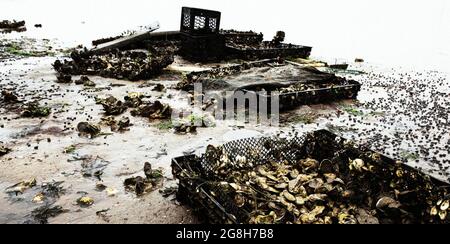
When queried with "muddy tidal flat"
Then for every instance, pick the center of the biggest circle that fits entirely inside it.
(49, 173)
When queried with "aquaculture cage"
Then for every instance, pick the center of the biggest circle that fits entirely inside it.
(345, 89)
(200, 41)
(196, 21)
(414, 193)
(261, 52)
(322, 87)
(202, 48)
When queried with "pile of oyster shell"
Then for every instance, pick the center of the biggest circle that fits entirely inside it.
(349, 187)
(306, 86)
(131, 65)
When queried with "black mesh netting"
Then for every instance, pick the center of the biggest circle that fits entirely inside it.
(202, 178)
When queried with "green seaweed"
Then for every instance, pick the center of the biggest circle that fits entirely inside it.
(165, 125)
(352, 110)
(70, 149)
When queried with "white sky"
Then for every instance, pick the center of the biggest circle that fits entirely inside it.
(400, 32)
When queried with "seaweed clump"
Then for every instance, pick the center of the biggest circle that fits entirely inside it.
(34, 110)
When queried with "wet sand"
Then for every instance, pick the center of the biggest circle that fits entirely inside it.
(399, 113)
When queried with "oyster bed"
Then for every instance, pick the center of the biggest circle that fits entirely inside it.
(131, 64)
(318, 179)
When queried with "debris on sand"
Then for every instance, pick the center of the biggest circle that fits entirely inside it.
(122, 125)
(99, 186)
(21, 187)
(53, 189)
(84, 80)
(42, 214)
(191, 123)
(137, 184)
(141, 185)
(89, 83)
(34, 110)
(85, 202)
(132, 65)
(185, 128)
(70, 149)
(39, 198)
(111, 192)
(9, 96)
(112, 106)
(103, 214)
(359, 60)
(4, 150)
(86, 128)
(64, 78)
(133, 100)
(153, 111)
(38, 26)
(159, 88)
(18, 26)
(49, 192)
(93, 167)
(169, 191)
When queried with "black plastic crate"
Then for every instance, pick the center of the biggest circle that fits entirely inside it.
(202, 48)
(196, 174)
(196, 21)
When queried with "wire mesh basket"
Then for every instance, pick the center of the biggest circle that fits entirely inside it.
(200, 185)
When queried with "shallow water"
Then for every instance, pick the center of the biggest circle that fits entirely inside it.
(410, 33)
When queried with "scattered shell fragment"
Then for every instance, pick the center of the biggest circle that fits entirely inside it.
(111, 192)
(445, 205)
(387, 202)
(21, 187)
(289, 196)
(434, 211)
(85, 201)
(305, 191)
(39, 198)
(356, 164)
(281, 186)
(100, 186)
